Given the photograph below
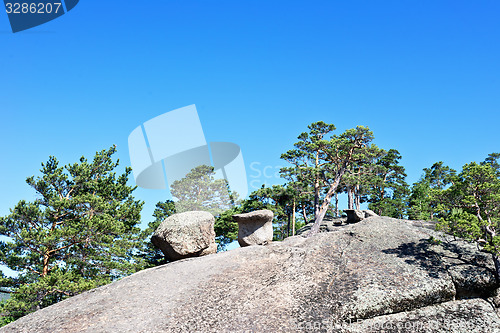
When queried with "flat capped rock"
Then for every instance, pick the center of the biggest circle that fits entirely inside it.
(255, 228)
(262, 215)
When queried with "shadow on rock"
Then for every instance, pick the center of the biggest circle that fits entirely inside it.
(419, 254)
(472, 272)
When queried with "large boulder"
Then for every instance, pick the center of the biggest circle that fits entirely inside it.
(378, 275)
(356, 215)
(184, 235)
(255, 228)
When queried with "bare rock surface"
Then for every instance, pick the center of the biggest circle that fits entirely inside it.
(184, 235)
(471, 315)
(379, 270)
(255, 228)
(424, 224)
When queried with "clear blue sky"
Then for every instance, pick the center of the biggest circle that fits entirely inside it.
(423, 75)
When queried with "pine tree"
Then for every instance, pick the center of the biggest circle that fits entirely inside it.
(308, 162)
(493, 160)
(321, 159)
(152, 255)
(425, 194)
(199, 190)
(471, 208)
(342, 153)
(79, 234)
(360, 177)
(388, 188)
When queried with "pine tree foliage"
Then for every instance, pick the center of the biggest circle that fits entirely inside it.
(323, 164)
(308, 162)
(424, 197)
(78, 234)
(151, 255)
(342, 152)
(200, 190)
(470, 207)
(388, 188)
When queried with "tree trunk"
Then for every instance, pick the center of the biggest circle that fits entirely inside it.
(357, 197)
(336, 204)
(381, 193)
(316, 188)
(45, 270)
(349, 198)
(293, 218)
(304, 214)
(288, 224)
(326, 202)
(315, 228)
(316, 198)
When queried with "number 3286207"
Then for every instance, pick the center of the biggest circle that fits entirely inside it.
(32, 8)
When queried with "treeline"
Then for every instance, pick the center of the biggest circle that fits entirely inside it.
(83, 231)
(324, 165)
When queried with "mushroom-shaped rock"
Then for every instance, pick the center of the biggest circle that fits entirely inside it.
(369, 213)
(255, 228)
(184, 235)
(356, 215)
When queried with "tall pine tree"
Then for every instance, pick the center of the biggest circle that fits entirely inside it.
(470, 207)
(388, 188)
(80, 233)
